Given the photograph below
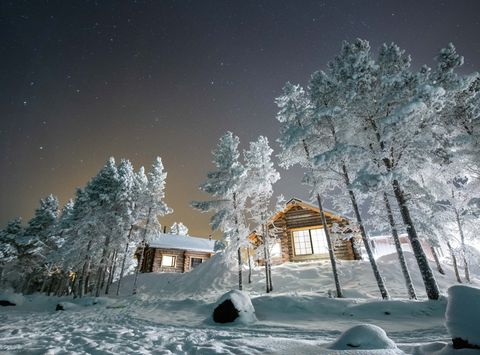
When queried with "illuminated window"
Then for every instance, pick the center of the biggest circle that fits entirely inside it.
(168, 260)
(310, 241)
(194, 262)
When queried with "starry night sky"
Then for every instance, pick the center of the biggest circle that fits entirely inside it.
(84, 80)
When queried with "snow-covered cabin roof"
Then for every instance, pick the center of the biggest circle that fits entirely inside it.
(182, 242)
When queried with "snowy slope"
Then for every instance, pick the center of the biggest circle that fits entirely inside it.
(213, 278)
(172, 314)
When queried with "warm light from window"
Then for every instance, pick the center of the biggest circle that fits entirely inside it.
(310, 241)
(168, 260)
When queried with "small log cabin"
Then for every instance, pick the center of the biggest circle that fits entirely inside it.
(299, 235)
(176, 253)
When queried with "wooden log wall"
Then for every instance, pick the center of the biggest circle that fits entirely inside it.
(153, 259)
(299, 218)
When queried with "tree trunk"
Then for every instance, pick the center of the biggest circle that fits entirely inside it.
(53, 281)
(62, 283)
(88, 287)
(102, 266)
(429, 281)
(239, 251)
(85, 270)
(26, 284)
(269, 261)
(464, 249)
(122, 269)
(111, 272)
(431, 287)
(142, 255)
(331, 253)
(373, 263)
(44, 284)
(437, 261)
(249, 266)
(454, 261)
(114, 269)
(239, 254)
(398, 247)
(265, 258)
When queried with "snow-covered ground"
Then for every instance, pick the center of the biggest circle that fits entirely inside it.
(171, 314)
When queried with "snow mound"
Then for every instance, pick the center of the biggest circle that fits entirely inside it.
(463, 314)
(242, 306)
(10, 296)
(363, 337)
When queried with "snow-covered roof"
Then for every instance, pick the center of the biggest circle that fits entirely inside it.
(182, 242)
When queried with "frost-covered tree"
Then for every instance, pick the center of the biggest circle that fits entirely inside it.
(394, 111)
(261, 175)
(103, 193)
(39, 238)
(153, 206)
(298, 148)
(226, 186)
(125, 217)
(8, 248)
(332, 125)
(178, 229)
(457, 154)
(138, 193)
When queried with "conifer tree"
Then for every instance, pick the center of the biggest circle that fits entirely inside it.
(178, 229)
(153, 203)
(225, 185)
(8, 248)
(37, 241)
(261, 175)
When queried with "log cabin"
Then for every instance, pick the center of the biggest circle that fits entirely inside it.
(297, 234)
(175, 253)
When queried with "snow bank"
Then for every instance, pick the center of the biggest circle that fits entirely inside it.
(217, 275)
(363, 337)
(441, 348)
(463, 314)
(245, 313)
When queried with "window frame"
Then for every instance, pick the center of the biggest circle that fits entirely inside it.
(311, 248)
(174, 260)
(191, 262)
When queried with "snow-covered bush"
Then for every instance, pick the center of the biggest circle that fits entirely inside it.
(234, 306)
(363, 337)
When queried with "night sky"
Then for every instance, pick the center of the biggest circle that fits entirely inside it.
(82, 81)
